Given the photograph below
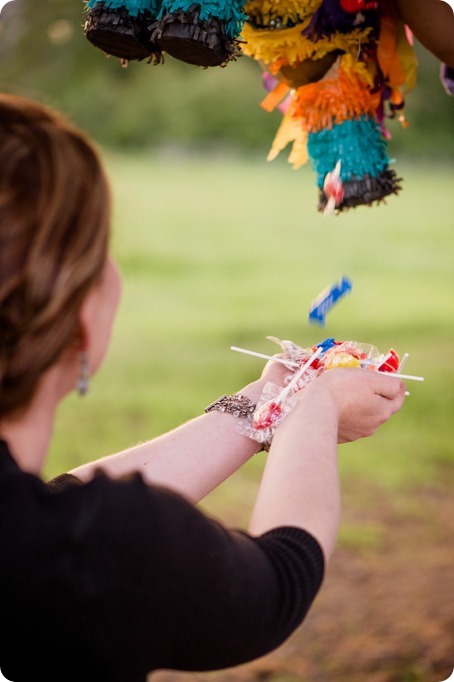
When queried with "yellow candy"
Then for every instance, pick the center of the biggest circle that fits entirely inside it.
(341, 360)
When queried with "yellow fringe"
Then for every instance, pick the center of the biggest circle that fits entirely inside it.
(290, 130)
(285, 9)
(407, 57)
(299, 155)
(365, 72)
(289, 46)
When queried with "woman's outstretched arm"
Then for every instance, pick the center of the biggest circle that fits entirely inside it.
(300, 485)
(194, 458)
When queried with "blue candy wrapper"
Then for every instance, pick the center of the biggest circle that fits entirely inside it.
(326, 300)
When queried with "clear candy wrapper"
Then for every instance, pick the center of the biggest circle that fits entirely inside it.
(290, 350)
(268, 414)
(307, 377)
(351, 354)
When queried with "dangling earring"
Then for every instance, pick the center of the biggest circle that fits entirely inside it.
(81, 385)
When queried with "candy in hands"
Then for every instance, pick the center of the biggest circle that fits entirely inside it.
(390, 362)
(267, 416)
(269, 413)
(351, 354)
(276, 402)
(341, 360)
(331, 354)
(272, 407)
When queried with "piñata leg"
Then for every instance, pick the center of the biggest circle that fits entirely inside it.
(203, 33)
(123, 28)
(364, 169)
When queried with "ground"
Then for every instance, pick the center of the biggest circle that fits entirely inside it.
(385, 612)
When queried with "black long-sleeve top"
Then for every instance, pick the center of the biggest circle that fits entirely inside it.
(113, 579)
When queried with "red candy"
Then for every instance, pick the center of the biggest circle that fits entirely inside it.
(391, 362)
(334, 189)
(267, 415)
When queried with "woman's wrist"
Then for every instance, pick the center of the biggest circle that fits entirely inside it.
(255, 388)
(253, 391)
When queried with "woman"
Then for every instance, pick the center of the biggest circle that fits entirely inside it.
(111, 572)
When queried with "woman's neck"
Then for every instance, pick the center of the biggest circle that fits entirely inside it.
(28, 442)
(28, 435)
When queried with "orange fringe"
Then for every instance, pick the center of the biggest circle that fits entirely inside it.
(387, 54)
(275, 96)
(334, 100)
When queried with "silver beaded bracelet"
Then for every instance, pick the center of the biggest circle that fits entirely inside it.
(237, 405)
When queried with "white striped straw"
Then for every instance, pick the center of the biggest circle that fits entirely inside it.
(298, 375)
(403, 361)
(291, 363)
(402, 376)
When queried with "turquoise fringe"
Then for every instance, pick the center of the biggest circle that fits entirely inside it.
(134, 7)
(229, 13)
(358, 143)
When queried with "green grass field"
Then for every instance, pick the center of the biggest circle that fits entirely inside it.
(220, 251)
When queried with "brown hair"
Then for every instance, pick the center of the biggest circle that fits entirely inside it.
(54, 232)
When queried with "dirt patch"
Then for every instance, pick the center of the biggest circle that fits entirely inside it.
(385, 612)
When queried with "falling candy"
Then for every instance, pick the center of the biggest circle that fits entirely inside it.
(326, 299)
(334, 189)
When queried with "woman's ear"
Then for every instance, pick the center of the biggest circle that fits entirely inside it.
(87, 319)
(97, 314)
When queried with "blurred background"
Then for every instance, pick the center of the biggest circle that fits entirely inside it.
(219, 247)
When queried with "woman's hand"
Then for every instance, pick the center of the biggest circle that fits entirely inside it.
(276, 372)
(364, 399)
(273, 372)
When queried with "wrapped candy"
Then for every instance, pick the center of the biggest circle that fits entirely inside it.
(305, 365)
(323, 303)
(275, 402)
(333, 188)
(390, 363)
(352, 354)
(267, 416)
